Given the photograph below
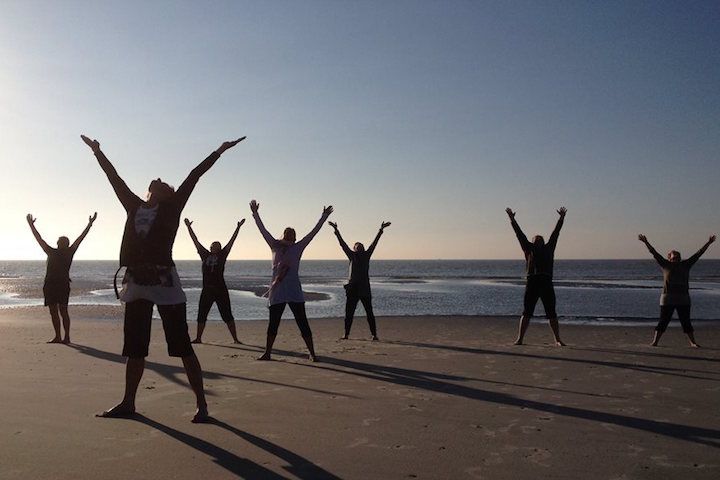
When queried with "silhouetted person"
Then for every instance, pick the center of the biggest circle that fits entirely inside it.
(214, 289)
(56, 288)
(151, 278)
(358, 287)
(539, 259)
(676, 289)
(285, 287)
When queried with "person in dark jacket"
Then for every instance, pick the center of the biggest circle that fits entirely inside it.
(358, 287)
(56, 288)
(539, 259)
(214, 289)
(151, 278)
(676, 289)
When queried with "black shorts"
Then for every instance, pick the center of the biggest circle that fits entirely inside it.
(138, 320)
(218, 295)
(539, 287)
(56, 293)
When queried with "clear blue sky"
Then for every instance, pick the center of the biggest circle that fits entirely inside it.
(433, 115)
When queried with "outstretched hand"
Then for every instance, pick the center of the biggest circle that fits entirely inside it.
(327, 211)
(30, 219)
(384, 225)
(333, 225)
(93, 144)
(188, 222)
(92, 218)
(642, 238)
(240, 223)
(711, 239)
(254, 206)
(230, 144)
(562, 211)
(510, 213)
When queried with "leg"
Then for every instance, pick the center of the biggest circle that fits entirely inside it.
(137, 324)
(350, 306)
(206, 301)
(298, 310)
(367, 305)
(666, 312)
(530, 299)
(65, 321)
(223, 304)
(55, 317)
(276, 312)
(548, 299)
(684, 315)
(178, 340)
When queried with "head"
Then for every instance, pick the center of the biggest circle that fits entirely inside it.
(674, 256)
(359, 247)
(289, 235)
(160, 191)
(215, 247)
(63, 242)
(538, 241)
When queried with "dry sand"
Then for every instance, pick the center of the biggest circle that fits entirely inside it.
(437, 398)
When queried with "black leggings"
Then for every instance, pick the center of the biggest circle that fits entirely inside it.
(351, 305)
(298, 310)
(219, 295)
(666, 312)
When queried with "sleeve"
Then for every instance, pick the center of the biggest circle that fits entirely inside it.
(263, 231)
(658, 258)
(556, 233)
(343, 245)
(182, 195)
(524, 244)
(128, 199)
(374, 244)
(308, 238)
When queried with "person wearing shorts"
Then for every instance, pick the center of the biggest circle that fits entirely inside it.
(539, 259)
(214, 289)
(151, 278)
(676, 289)
(56, 287)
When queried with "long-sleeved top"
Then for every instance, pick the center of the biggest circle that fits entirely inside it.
(285, 286)
(359, 272)
(155, 248)
(676, 277)
(539, 259)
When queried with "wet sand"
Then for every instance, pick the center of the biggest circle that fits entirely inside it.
(437, 398)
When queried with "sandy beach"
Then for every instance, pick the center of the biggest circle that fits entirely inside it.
(437, 398)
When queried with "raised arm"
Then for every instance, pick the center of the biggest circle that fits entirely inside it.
(128, 199)
(78, 241)
(198, 246)
(228, 246)
(658, 258)
(31, 221)
(186, 187)
(343, 245)
(556, 232)
(524, 244)
(702, 250)
(372, 246)
(308, 238)
(254, 207)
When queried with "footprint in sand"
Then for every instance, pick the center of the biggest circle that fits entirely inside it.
(369, 421)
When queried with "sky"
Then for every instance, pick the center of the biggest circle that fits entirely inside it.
(434, 115)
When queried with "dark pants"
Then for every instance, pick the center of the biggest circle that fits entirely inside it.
(666, 312)
(539, 287)
(298, 310)
(351, 305)
(138, 320)
(218, 295)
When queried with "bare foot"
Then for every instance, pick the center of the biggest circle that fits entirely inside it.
(264, 357)
(201, 415)
(66, 340)
(375, 338)
(55, 340)
(237, 342)
(312, 358)
(344, 337)
(559, 343)
(197, 340)
(695, 345)
(518, 342)
(121, 410)
(653, 344)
